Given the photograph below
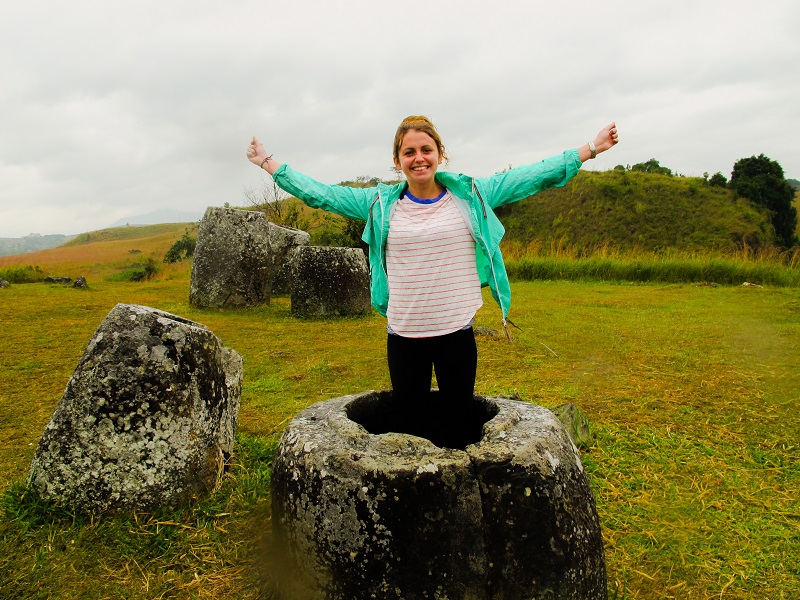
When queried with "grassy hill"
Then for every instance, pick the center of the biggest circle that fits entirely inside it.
(103, 253)
(131, 232)
(637, 211)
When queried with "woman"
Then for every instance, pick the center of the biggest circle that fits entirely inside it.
(433, 243)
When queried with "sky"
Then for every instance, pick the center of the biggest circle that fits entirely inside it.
(112, 109)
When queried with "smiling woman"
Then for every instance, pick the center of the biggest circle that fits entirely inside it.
(433, 243)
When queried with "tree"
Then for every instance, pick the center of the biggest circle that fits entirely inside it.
(718, 180)
(651, 166)
(279, 207)
(761, 180)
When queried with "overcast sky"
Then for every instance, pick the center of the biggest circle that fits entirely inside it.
(112, 109)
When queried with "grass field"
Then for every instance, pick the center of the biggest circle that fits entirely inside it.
(691, 390)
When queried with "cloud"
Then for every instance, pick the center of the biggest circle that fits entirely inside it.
(113, 109)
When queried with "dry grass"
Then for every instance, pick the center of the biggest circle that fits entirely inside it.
(108, 253)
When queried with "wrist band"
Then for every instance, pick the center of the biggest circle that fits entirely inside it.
(270, 156)
(592, 150)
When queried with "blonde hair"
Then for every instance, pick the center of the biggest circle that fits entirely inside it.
(417, 123)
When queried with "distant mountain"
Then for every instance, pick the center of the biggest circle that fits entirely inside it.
(163, 215)
(31, 243)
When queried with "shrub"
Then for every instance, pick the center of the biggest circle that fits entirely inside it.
(183, 248)
(27, 274)
(140, 272)
(718, 180)
(651, 166)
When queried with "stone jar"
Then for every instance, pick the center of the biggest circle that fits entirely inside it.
(147, 419)
(329, 281)
(232, 265)
(362, 510)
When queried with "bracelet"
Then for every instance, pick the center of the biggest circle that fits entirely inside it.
(270, 156)
(592, 150)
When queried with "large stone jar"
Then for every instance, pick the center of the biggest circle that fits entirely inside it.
(147, 419)
(361, 510)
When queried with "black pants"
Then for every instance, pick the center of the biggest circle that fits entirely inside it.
(445, 418)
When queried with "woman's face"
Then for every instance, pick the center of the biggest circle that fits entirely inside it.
(418, 157)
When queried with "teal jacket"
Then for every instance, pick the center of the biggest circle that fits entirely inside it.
(477, 197)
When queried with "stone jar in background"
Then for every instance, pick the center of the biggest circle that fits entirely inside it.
(238, 257)
(231, 265)
(361, 509)
(284, 241)
(147, 419)
(329, 281)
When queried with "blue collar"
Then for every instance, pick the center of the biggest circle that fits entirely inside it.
(413, 198)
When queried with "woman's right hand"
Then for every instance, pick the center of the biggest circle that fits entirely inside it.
(255, 152)
(258, 156)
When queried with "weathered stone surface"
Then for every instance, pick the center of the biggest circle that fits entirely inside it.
(283, 242)
(363, 511)
(4, 283)
(232, 265)
(147, 419)
(80, 282)
(575, 423)
(329, 281)
(487, 331)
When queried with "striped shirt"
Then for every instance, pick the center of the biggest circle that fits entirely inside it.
(430, 261)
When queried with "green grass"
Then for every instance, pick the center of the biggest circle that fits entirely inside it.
(691, 392)
(205, 550)
(656, 269)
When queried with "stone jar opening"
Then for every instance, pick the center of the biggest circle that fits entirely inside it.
(445, 423)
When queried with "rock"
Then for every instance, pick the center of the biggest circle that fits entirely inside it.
(232, 265)
(575, 423)
(4, 283)
(80, 282)
(147, 419)
(329, 281)
(360, 510)
(57, 280)
(283, 242)
(481, 330)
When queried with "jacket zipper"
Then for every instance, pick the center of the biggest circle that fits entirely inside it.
(491, 263)
(381, 255)
(477, 191)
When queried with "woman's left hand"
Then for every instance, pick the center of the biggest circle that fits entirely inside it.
(607, 138)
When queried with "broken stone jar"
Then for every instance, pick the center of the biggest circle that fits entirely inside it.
(363, 509)
(147, 419)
